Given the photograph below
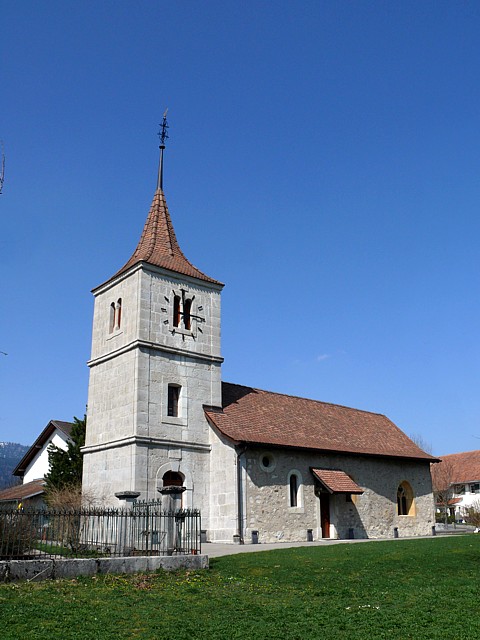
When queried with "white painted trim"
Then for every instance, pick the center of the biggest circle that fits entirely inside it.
(142, 440)
(144, 344)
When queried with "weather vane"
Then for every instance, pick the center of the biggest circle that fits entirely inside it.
(163, 135)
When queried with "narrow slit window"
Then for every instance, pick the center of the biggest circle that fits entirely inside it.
(176, 311)
(293, 490)
(111, 322)
(118, 308)
(173, 398)
(187, 314)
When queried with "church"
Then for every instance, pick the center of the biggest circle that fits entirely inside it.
(260, 466)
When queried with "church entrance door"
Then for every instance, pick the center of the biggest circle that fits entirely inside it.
(325, 514)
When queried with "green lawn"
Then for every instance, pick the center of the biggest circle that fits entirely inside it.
(397, 589)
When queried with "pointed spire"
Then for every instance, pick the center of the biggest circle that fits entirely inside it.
(158, 244)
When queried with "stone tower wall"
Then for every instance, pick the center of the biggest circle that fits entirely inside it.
(131, 441)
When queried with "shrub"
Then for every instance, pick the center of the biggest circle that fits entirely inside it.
(17, 536)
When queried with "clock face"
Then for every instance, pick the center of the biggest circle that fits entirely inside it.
(185, 313)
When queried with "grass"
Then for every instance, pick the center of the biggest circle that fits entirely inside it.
(66, 552)
(419, 589)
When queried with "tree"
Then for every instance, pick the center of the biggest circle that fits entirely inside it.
(443, 478)
(473, 514)
(421, 443)
(66, 466)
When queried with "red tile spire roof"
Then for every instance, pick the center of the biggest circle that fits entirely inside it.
(158, 244)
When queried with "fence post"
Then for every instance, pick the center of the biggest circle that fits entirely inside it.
(127, 498)
(170, 495)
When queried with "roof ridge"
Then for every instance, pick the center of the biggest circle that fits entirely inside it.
(289, 395)
(460, 453)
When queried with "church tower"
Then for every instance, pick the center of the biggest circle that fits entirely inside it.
(155, 362)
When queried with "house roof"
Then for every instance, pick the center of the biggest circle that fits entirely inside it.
(64, 427)
(460, 467)
(336, 481)
(22, 491)
(261, 417)
(158, 244)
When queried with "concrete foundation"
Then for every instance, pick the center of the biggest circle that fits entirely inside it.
(29, 570)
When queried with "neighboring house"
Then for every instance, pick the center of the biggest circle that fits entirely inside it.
(461, 472)
(259, 465)
(30, 493)
(34, 465)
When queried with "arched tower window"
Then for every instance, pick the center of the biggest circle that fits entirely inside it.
(118, 314)
(172, 479)
(187, 314)
(405, 500)
(176, 311)
(111, 322)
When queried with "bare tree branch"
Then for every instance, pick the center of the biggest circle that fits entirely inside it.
(443, 479)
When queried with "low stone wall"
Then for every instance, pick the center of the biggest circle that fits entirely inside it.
(53, 568)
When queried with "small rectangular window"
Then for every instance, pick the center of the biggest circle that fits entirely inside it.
(173, 397)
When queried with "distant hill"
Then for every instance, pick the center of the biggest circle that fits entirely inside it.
(10, 455)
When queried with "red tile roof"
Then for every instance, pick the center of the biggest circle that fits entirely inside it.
(336, 481)
(158, 244)
(462, 467)
(261, 417)
(22, 491)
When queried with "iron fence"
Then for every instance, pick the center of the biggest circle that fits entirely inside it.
(145, 529)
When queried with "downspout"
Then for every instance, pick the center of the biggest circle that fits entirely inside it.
(240, 451)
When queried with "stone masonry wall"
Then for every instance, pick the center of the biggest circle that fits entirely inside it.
(370, 515)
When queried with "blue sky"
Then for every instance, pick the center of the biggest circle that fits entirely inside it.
(323, 162)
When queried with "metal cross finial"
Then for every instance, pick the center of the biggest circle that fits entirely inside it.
(163, 134)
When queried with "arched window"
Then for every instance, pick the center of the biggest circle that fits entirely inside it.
(172, 479)
(111, 322)
(405, 501)
(187, 314)
(294, 490)
(176, 311)
(118, 309)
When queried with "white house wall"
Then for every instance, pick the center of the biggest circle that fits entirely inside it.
(39, 466)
